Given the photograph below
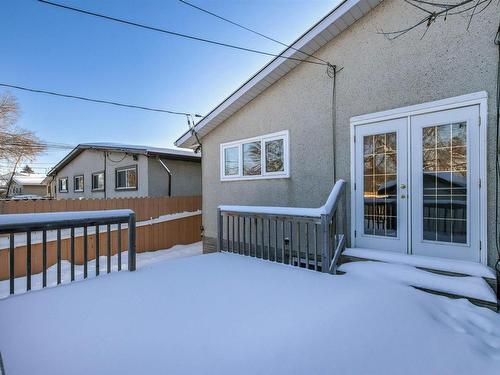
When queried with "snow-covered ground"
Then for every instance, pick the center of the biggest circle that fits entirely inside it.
(142, 260)
(230, 314)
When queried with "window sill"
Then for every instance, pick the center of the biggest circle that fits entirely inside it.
(253, 178)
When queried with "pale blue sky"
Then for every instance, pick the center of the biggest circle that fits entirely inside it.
(49, 48)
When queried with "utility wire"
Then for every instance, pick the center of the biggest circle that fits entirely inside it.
(186, 36)
(251, 30)
(96, 100)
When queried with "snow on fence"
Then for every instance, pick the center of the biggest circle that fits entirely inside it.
(312, 238)
(12, 224)
(161, 223)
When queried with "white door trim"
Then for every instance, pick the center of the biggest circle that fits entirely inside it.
(478, 98)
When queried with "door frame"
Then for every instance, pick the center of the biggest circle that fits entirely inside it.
(477, 98)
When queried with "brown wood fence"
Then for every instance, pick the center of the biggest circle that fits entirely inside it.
(151, 237)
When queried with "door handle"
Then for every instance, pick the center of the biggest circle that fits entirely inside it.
(402, 186)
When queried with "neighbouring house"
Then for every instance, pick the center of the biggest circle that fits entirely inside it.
(111, 170)
(410, 123)
(23, 184)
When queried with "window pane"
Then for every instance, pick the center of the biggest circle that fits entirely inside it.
(131, 178)
(445, 183)
(121, 179)
(275, 158)
(98, 181)
(231, 161)
(251, 159)
(380, 184)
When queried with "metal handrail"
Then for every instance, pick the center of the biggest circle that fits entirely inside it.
(42, 222)
(310, 229)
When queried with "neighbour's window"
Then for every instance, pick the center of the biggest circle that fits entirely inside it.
(126, 178)
(78, 184)
(63, 185)
(98, 181)
(260, 157)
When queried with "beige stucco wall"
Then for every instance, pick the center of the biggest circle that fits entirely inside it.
(377, 75)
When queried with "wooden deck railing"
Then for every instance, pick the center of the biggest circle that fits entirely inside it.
(15, 224)
(312, 238)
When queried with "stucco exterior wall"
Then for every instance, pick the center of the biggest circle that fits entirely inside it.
(186, 178)
(377, 75)
(90, 161)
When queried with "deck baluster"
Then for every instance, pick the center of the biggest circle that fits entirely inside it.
(58, 252)
(11, 263)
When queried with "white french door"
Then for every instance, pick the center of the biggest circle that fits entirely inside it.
(417, 184)
(381, 180)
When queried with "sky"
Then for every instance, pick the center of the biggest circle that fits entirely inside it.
(48, 48)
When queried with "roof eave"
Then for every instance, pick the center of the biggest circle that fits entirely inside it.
(310, 40)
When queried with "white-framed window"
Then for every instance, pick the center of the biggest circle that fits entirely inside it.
(78, 184)
(63, 185)
(126, 178)
(261, 157)
(98, 181)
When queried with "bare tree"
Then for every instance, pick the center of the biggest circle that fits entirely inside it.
(16, 144)
(435, 10)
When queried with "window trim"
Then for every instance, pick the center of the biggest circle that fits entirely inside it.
(74, 183)
(59, 190)
(126, 168)
(92, 181)
(264, 175)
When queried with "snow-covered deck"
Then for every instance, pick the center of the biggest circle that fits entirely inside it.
(229, 314)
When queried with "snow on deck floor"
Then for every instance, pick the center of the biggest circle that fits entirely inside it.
(229, 314)
(466, 286)
(142, 260)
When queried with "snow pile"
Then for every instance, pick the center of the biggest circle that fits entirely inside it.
(142, 260)
(466, 286)
(230, 314)
(434, 263)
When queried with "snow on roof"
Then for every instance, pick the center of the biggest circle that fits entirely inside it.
(333, 24)
(29, 179)
(174, 153)
(142, 148)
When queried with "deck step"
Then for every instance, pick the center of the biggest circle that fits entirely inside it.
(438, 281)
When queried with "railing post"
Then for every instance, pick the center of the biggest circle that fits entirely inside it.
(220, 244)
(325, 243)
(131, 242)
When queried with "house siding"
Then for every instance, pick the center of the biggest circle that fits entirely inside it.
(377, 75)
(186, 178)
(90, 161)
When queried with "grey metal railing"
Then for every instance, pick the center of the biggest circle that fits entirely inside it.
(311, 238)
(12, 224)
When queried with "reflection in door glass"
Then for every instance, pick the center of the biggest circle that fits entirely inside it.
(444, 165)
(380, 184)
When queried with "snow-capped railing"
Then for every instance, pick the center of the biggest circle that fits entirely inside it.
(15, 224)
(305, 237)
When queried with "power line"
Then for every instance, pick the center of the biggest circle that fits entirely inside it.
(101, 101)
(251, 30)
(186, 36)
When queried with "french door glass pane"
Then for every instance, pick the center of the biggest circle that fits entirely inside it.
(445, 182)
(380, 184)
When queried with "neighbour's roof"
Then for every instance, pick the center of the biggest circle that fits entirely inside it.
(339, 19)
(29, 179)
(167, 153)
(21, 178)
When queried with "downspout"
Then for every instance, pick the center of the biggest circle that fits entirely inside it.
(105, 173)
(169, 177)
